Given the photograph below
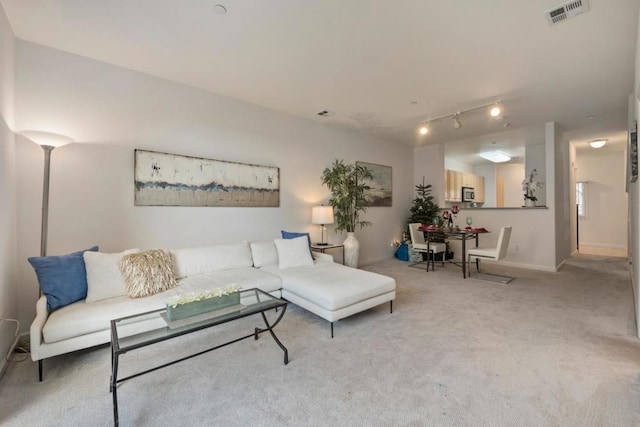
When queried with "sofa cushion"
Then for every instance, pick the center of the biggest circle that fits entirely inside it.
(191, 261)
(62, 278)
(104, 279)
(294, 235)
(246, 278)
(293, 252)
(332, 286)
(80, 318)
(264, 253)
(147, 273)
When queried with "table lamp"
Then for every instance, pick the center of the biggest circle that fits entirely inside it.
(322, 215)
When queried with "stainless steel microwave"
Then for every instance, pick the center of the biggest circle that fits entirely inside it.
(468, 194)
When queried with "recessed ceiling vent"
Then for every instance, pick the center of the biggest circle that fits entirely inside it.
(566, 10)
(326, 113)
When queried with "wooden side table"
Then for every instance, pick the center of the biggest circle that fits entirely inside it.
(323, 248)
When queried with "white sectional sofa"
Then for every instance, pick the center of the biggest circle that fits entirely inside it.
(330, 290)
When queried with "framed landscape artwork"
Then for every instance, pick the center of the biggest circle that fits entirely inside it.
(163, 179)
(381, 192)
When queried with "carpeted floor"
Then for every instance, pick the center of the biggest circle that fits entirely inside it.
(547, 349)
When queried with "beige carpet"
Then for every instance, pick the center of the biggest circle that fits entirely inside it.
(548, 349)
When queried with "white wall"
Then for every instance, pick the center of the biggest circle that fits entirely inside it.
(488, 171)
(455, 165)
(606, 200)
(559, 194)
(428, 163)
(111, 111)
(8, 273)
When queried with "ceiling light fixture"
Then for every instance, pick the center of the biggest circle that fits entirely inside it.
(495, 156)
(457, 124)
(598, 143)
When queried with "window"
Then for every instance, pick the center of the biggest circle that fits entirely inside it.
(581, 199)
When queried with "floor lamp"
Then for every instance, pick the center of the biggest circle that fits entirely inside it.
(48, 141)
(322, 215)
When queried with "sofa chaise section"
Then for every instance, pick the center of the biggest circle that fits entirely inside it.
(333, 291)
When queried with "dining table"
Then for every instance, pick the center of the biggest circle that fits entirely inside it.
(454, 233)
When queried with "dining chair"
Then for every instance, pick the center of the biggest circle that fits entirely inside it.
(420, 245)
(494, 253)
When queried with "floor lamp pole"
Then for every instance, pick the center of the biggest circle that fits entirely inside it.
(45, 199)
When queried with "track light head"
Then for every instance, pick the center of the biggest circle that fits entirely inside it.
(424, 130)
(495, 111)
(456, 122)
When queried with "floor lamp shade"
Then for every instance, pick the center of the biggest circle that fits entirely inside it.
(48, 141)
(322, 215)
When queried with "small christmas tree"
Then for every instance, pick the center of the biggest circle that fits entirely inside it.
(423, 210)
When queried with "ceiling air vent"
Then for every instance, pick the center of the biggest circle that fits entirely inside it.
(566, 10)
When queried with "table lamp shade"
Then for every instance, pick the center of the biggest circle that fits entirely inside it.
(322, 215)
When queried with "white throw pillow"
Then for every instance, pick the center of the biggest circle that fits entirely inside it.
(264, 253)
(293, 252)
(104, 279)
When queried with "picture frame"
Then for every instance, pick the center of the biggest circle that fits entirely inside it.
(163, 179)
(633, 152)
(381, 191)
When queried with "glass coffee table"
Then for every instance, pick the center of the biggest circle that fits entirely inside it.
(124, 337)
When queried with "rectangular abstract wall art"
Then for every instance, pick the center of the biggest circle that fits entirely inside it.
(163, 179)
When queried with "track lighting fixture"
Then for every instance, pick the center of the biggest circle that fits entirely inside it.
(495, 111)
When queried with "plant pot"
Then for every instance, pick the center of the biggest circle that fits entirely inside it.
(351, 250)
(183, 311)
(529, 203)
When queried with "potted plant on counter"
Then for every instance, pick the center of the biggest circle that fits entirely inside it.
(529, 186)
(347, 185)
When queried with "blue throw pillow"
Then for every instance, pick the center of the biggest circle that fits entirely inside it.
(62, 278)
(293, 235)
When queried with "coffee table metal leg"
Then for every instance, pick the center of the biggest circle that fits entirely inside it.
(114, 385)
(273, 335)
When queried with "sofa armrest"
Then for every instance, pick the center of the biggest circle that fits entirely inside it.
(320, 257)
(35, 332)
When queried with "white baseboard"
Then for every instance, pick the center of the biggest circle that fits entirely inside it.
(603, 246)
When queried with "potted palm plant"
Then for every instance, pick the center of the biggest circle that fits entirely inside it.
(347, 183)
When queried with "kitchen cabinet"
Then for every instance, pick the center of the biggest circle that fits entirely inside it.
(479, 189)
(454, 181)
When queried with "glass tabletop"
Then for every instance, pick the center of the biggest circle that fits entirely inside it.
(125, 335)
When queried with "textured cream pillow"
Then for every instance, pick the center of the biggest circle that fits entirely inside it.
(147, 273)
(104, 279)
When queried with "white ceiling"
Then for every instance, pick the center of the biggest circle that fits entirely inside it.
(382, 67)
